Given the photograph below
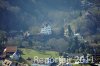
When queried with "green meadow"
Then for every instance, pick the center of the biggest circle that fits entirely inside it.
(40, 54)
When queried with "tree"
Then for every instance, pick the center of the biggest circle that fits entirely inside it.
(2, 40)
(70, 32)
(59, 45)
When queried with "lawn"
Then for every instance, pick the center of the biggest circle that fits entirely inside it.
(80, 65)
(31, 53)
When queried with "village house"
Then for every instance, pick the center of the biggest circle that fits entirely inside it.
(6, 63)
(78, 36)
(46, 30)
(12, 52)
(10, 49)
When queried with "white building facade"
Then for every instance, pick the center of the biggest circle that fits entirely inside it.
(46, 29)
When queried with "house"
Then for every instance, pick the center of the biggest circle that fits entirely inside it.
(46, 30)
(10, 49)
(78, 36)
(6, 63)
(16, 56)
(26, 34)
(12, 52)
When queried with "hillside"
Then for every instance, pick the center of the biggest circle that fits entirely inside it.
(82, 17)
(23, 14)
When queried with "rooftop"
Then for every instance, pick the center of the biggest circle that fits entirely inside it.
(10, 49)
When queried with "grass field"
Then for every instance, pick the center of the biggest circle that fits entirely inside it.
(80, 65)
(31, 53)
